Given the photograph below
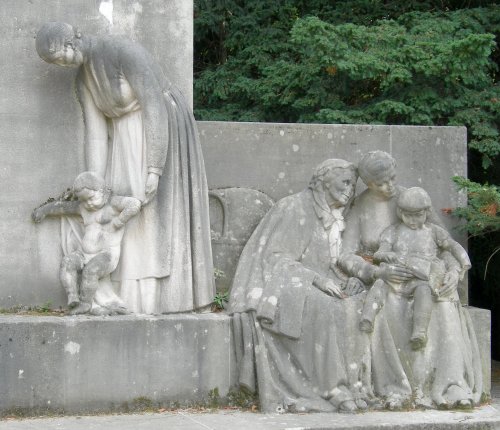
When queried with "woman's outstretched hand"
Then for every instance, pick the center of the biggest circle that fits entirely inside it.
(151, 187)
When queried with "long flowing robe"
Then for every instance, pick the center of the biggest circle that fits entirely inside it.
(448, 369)
(300, 348)
(166, 258)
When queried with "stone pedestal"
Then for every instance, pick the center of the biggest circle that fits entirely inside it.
(96, 364)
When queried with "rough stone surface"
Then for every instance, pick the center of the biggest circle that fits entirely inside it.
(481, 319)
(485, 418)
(234, 214)
(142, 138)
(92, 364)
(82, 364)
(419, 350)
(41, 130)
(278, 159)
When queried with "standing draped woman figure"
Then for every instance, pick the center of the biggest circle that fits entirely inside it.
(141, 136)
(447, 372)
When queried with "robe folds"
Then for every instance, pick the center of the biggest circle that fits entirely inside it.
(448, 369)
(299, 347)
(166, 257)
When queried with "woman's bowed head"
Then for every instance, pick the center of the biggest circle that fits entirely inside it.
(61, 44)
(377, 169)
(141, 137)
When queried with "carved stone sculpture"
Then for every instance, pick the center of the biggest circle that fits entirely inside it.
(415, 244)
(447, 372)
(104, 217)
(141, 136)
(296, 329)
(234, 214)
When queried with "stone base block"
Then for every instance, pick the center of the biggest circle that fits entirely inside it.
(103, 364)
(93, 364)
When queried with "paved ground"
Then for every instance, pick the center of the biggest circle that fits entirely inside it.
(486, 417)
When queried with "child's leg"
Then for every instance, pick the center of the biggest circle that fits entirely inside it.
(68, 274)
(422, 309)
(98, 267)
(374, 301)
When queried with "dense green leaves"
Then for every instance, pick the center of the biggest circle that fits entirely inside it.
(482, 214)
(351, 62)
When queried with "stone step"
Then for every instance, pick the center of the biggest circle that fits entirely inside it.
(484, 418)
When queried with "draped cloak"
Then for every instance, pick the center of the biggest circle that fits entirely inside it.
(300, 348)
(166, 258)
(449, 367)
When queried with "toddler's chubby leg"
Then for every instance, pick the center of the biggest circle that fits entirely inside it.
(71, 264)
(422, 309)
(99, 266)
(374, 301)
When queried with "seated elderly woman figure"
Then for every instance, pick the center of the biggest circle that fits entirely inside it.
(447, 372)
(295, 327)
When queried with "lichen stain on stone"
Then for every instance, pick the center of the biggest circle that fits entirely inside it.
(72, 347)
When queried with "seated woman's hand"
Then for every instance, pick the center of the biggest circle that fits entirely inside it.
(329, 287)
(393, 273)
(450, 282)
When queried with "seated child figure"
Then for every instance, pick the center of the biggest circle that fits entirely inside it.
(104, 217)
(416, 244)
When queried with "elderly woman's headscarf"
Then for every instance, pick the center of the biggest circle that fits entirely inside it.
(332, 218)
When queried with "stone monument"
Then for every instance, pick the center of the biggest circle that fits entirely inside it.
(306, 334)
(104, 217)
(140, 135)
(53, 364)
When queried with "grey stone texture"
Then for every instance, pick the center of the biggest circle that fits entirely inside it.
(481, 320)
(234, 214)
(278, 159)
(142, 138)
(487, 418)
(95, 364)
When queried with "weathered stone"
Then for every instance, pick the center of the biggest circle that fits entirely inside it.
(234, 214)
(296, 311)
(141, 137)
(278, 159)
(481, 319)
(41, 129)
(92, 364)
